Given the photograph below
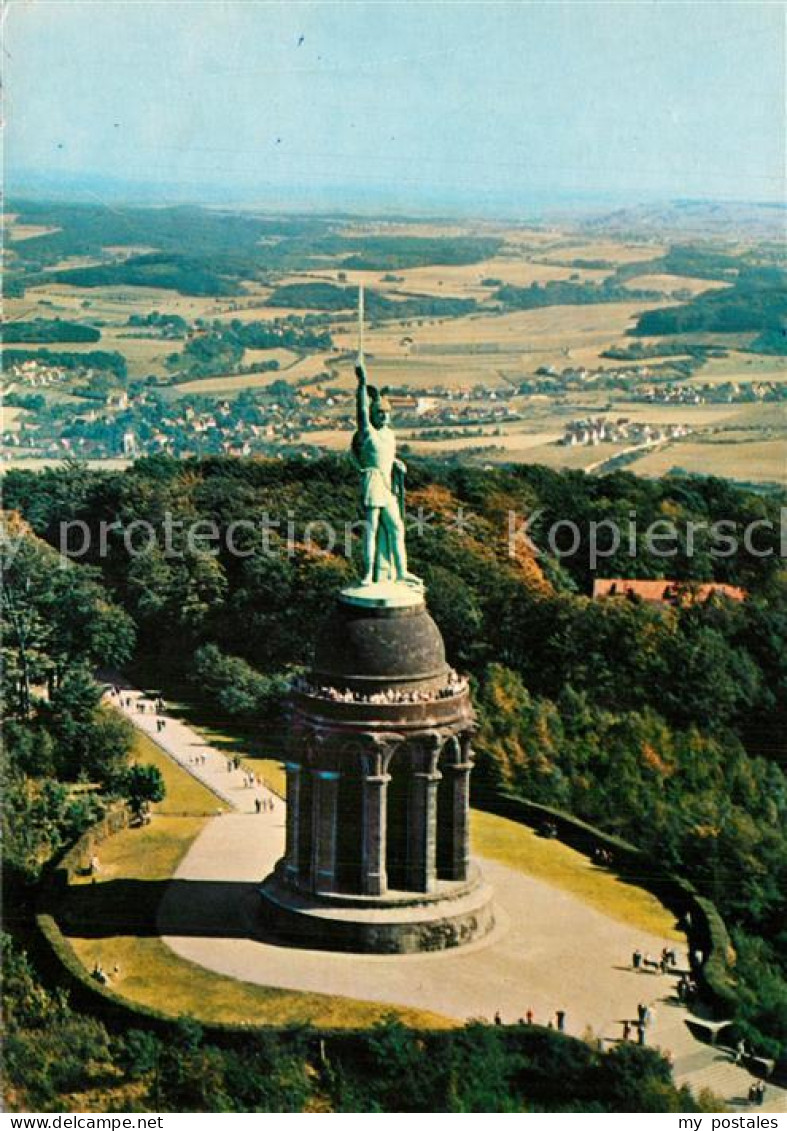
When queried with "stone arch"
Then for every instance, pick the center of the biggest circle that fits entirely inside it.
(413, 811)
(362, 765)
(396, 820)
(453, 808)
(450, 756)
(310, 757)
(349, 829)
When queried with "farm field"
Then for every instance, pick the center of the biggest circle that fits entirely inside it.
(522, 331)
(611, 250)
(296, 372)
(11, 417)
(27, 231)
(551, 454)
(708, 415)
(671, 283)
(113, 304)
(500, 384)
(466, 281)
(477, 348)
(744, 460)
(745, 367)
(143, 355)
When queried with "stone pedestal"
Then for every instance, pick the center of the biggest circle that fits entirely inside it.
(397, 923)
(378, 855)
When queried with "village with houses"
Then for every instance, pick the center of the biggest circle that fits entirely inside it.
(105, 416)
(493, 343)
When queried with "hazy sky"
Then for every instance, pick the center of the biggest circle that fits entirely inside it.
(427, 101)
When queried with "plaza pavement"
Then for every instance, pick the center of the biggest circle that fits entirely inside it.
(549, 951)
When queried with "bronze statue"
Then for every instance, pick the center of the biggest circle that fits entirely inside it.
(382, 488)
(382, 482)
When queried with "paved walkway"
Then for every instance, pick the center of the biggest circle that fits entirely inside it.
(210, 766)
(549, 951)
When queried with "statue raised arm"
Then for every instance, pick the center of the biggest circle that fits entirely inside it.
(362, 418)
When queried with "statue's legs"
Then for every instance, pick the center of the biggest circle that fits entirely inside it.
(370, 529)
(383, 558)
(394, 528)
(384, 552)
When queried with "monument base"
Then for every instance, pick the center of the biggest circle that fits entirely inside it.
(384, 595)
(401, 922)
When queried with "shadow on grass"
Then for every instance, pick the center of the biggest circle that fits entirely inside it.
(147, 908)
(214, 909)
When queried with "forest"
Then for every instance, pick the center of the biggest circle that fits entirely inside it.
(109, 360)
(327, 296)
(556, 292)
(664, 725)
(757, 302)
(224, 248)
(54, 330)
(188, 275)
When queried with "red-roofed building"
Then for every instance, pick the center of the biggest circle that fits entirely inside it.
(664, 591)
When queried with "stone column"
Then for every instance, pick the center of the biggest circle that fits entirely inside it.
(459, 771)
(323, 862)
(293, 820)
(374, 879)
(422, 819)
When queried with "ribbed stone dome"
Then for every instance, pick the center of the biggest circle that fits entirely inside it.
(360, 646)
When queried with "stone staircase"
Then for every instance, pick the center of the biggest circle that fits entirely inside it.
(698, 1065)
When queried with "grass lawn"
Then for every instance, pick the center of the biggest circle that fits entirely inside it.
(758, 461)
(151, 852)
(496, 837)
(113, 922)
(519, 847)
(185, 795)
(151, 974)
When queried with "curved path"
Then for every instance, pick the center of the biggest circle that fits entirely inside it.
(549, 952)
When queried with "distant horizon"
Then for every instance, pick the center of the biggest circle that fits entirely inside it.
(376, 201)
(434, 106)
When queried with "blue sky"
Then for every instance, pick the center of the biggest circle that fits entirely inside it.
(417, 101)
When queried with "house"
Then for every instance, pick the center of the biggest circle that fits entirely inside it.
(664, 591)
(400, 402)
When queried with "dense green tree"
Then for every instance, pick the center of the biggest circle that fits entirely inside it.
(653, 722)
(142, 786)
